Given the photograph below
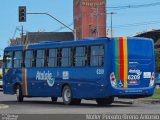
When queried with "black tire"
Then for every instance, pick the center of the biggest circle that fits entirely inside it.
(105, 101)
(54, 99)
(19, 93)
(67, 96)
(76, 101)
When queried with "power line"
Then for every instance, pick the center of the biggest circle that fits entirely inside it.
(62, 27)
(136, 24)
(133, 6)
(17, 29)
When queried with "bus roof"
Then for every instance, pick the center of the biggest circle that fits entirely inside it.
(84, 41)
(60, 44)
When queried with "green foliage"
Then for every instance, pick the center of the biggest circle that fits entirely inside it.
(157, 58)
(156, 94)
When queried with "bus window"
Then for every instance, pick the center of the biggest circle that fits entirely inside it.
(17, 59)
(8, 60)
(40, 58)
(66, 57)
(97, 56)
(29, 58)
(52, 61)
(80, 56)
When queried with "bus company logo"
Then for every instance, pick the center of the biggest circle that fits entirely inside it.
(48, 76)
(135, 74)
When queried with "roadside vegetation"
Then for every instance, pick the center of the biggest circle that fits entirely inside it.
(156, 94)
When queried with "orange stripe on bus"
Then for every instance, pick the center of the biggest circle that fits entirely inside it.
(25, 82)
(25, 77)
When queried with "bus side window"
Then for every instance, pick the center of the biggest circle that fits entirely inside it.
(17, 59)
(28, 58)
(97, 55)
(40, 58)
(7, 60)
(66, 57)
(80, 56)
(52, 60)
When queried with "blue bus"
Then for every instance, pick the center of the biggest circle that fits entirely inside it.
(94, 68)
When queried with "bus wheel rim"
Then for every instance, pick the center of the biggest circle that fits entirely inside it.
(67, 95)
(17, 92)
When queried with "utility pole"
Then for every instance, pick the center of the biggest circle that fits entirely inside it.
(112, 24)
(111, 13)
(22, 40)
(96, 14)
(97, 32)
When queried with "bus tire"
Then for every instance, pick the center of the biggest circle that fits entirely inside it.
(105, 101)
(19, 93)
(54, 99)
(67, 96)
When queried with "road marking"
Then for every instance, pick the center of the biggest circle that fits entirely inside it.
(3, 106)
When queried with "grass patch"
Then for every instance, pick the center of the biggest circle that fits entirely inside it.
(156, 94)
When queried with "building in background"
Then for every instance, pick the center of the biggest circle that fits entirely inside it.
(90, 18)
(16, 41)
(154, 34)
(37, 37)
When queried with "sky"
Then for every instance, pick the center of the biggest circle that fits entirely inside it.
(126, 21)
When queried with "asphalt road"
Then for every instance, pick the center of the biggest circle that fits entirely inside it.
(9, 105)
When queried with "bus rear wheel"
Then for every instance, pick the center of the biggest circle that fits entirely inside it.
(67, 96)
(19, 93)
(105, 101)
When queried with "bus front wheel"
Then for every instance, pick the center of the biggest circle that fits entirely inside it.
(19, 94)
(67, 96)
(105, 101)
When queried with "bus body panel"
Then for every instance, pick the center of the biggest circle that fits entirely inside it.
(138, 65)
(10, 78)
(76, 78)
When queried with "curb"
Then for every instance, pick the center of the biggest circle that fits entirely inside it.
(3, 106)
(137, 101)
(148, 101)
